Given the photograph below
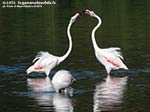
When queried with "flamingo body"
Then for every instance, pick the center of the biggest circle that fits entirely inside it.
(44, 62)
(110, 58)
(62, 79)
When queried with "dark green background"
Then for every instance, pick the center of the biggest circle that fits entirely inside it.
(25, 31)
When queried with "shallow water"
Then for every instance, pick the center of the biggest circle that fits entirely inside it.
(24, 32)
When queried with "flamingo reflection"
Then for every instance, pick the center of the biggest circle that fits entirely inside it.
(108, 94)
(46, 97)
(62, 103)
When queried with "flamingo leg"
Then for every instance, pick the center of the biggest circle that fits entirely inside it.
(108, 73)
(47, 72)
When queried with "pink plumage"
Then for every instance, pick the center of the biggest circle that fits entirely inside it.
(45, 62)
(111, 57)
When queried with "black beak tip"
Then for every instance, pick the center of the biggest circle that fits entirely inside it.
(83, 11)
(80, 13)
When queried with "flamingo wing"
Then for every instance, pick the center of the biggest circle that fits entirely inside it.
(115, 51)
(111, 57)
(46, 61)
(41, 55)
(62, 79)
(42, 62)
(111, 60)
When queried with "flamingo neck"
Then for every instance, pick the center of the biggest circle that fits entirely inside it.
(93, 32)
(62, 58)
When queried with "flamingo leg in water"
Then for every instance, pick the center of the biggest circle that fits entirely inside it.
(108, 73)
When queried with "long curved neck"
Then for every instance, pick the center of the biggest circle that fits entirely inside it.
(62, 58)
(93, 32)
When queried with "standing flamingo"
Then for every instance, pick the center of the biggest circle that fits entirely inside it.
(109, 57)
(45, 62)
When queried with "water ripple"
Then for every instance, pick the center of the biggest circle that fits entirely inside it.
(108, 94)
(11, 69)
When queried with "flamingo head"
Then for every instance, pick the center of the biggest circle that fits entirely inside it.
(73, 18)
(89, 12)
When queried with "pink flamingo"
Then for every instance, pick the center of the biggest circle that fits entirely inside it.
(109, 57)
(45, 62)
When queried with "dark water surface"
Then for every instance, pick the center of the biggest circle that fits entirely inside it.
(25, 31)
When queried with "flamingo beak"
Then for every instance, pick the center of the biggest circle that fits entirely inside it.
(78, 14)
(83, 12)
(86, 12)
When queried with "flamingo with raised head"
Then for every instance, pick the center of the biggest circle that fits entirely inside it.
(111, 57)
(45, 62)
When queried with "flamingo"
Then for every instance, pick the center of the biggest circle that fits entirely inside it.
(45, 62)
(111, 57)
(44, 94)
(61, 80)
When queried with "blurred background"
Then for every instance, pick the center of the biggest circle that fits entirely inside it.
(26, 31)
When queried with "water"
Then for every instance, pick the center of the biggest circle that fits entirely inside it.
(24, 32)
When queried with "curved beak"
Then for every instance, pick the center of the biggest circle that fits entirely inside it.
(86, 12)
